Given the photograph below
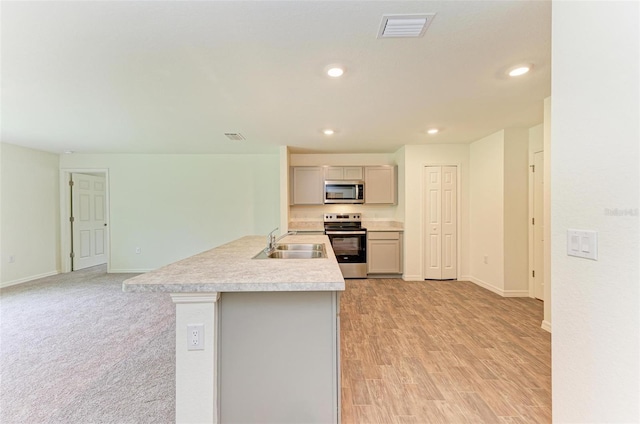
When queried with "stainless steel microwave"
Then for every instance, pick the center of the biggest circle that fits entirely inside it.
(344, 191)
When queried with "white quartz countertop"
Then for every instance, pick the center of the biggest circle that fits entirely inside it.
(230, 268)
(382, 225)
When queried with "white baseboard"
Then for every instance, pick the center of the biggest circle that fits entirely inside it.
(406, 277)
(483, 284)
(516, 293)
(27, 279)
(128, 271)
(496, 290)
(546, 325)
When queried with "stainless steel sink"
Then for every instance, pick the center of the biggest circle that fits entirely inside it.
(294, 251)
(296, 254)
(300, 246)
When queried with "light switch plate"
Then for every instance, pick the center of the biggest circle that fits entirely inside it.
(582, 244)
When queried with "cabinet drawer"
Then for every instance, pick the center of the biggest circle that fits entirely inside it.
(383, 235)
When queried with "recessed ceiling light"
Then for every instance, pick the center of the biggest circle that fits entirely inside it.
(433, 131)
(68, 152)
(335, 71)
(519, 70)
(328, 131)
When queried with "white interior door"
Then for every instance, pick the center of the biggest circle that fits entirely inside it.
(433, 222)
(88, 206)
(538, 225)
(440, 223)
(449, 227)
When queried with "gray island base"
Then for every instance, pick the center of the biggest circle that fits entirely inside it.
(271, 334)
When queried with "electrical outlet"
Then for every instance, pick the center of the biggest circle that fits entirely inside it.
(12, 259)
(486, 259)
(138, 250)
(195, 337)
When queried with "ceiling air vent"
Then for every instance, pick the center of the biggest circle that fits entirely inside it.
(235, 136)
(405, 25)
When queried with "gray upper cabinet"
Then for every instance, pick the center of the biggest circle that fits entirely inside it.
(380, 185)
(307, 185)
(343, 173)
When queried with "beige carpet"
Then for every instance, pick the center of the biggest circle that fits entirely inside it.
(75, 349)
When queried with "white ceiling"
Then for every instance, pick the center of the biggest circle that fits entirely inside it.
(174, 76)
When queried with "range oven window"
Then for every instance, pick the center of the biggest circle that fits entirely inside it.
(346, 245)
(349, 248)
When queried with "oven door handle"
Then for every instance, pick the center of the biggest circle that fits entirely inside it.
(345, 232)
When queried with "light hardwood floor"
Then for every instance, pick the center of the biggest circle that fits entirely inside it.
(442, 352)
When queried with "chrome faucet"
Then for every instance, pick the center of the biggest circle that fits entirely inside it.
(272, 240)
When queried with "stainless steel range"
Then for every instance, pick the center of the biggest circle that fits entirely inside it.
(349, 242)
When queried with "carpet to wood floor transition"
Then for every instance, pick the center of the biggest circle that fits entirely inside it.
(75, 349)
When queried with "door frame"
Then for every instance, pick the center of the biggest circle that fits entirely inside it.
(65, 213)
(423, 213)
(531, 232)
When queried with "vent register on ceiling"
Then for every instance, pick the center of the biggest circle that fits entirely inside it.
(393, 26)
(234, 136)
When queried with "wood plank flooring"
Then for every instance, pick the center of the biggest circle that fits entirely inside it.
(442, 352)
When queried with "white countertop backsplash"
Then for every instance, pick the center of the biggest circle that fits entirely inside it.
(370, 225)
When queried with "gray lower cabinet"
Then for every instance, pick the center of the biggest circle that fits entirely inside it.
(384, 252)
(279, 354)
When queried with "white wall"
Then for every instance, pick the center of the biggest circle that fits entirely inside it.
(546, 194)
(342, 159)
(594, 168)
(516, 211)
(285, 157)
(400, 159)
(30, 214)
(486, 218)
(416, 157)
(536, 139)
(174, 206)
(499, 212)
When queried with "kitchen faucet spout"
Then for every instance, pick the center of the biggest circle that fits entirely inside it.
(272, 240)
(288, 233)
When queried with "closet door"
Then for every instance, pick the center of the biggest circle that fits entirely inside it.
(440, 262)
(433, 221)
(449, 227)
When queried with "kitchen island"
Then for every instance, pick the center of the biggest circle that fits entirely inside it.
(271, 333)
